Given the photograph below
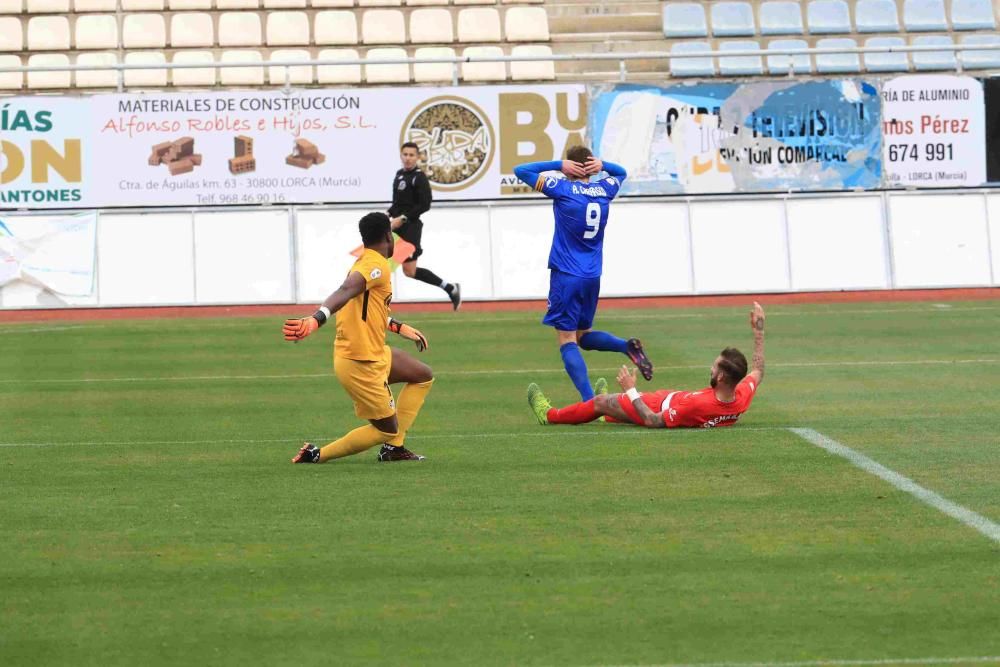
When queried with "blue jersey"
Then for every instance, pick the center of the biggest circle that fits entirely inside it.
(581, 213)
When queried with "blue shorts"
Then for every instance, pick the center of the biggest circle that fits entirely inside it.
(572, 301)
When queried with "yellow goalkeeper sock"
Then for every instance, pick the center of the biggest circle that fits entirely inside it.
(411, 399)
(356, 441)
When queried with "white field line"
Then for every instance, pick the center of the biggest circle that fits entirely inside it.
(503, 371)
(987, 659)
(37, 329)
(602, 431)
(954, 510)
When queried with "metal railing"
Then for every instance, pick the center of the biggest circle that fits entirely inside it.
(455, 61)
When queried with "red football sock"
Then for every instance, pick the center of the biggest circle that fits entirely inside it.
(578, 413)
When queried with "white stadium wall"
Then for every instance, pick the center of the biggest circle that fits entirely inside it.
(896, 240)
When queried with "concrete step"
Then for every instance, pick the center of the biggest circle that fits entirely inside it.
(583, 37)
(603, 23)
(646, 46)
(610, 68)
(605, 77)
(596, 9)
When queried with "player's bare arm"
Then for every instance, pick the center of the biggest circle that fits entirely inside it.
(757, 361)
(295, 329)
(650, 419)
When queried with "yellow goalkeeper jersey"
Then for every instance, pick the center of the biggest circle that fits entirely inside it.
(361, 323)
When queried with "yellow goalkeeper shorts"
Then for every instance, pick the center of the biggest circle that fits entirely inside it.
(367, 383)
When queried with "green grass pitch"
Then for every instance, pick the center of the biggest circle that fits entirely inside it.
(149, 513)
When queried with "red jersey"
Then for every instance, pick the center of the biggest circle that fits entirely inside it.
(695, 409)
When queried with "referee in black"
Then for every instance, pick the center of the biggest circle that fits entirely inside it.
(411, 198)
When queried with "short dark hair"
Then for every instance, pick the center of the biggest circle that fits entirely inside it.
(578, 154)
(410, 144)
(733, 364)
(373, 228)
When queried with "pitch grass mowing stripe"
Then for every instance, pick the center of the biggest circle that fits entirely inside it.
(426, 436)
(505, 371)
(724, 312)
(983, 659)
(954, 510)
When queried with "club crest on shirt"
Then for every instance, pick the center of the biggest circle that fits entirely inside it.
(402, 184)
(376, 273)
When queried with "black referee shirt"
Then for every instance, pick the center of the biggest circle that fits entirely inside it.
(411, 195)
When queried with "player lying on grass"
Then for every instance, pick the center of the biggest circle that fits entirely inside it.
(720, 404)
(363, 363)
(576, 258)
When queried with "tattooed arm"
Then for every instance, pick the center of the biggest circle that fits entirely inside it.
(757, 324)
(649, 418)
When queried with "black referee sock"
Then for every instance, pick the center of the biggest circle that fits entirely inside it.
(431, 278)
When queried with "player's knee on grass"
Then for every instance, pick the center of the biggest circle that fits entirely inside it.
(601, 402)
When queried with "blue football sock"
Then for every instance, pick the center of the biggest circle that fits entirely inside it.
(603, 341)
(576, 368)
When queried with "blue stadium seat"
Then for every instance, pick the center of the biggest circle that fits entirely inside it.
(972, 15)
(981, 59)
(827, 17)
(837, 62)
(933, 60)
(924, 15)
(733, 19)
(886, 62)
(780, 17)
(740, 65)
(691, 66)
(801, 64)
(876, 16)
(684, 19)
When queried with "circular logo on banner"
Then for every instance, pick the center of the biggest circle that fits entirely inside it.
(455, 139)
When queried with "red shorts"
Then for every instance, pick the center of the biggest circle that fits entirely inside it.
(652, 399)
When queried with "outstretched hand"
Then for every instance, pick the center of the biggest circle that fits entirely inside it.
(757, 317)
(626, 378)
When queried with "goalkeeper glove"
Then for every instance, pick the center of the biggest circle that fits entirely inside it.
(298, 328)
(406, 331)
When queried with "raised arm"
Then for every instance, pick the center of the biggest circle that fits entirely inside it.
(296, 329)
(649, 418)
(757, 324)
(530, 172)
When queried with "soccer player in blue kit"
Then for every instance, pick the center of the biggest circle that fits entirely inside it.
(575, 261)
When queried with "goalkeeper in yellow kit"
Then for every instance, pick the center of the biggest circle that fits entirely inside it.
(363, 363)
